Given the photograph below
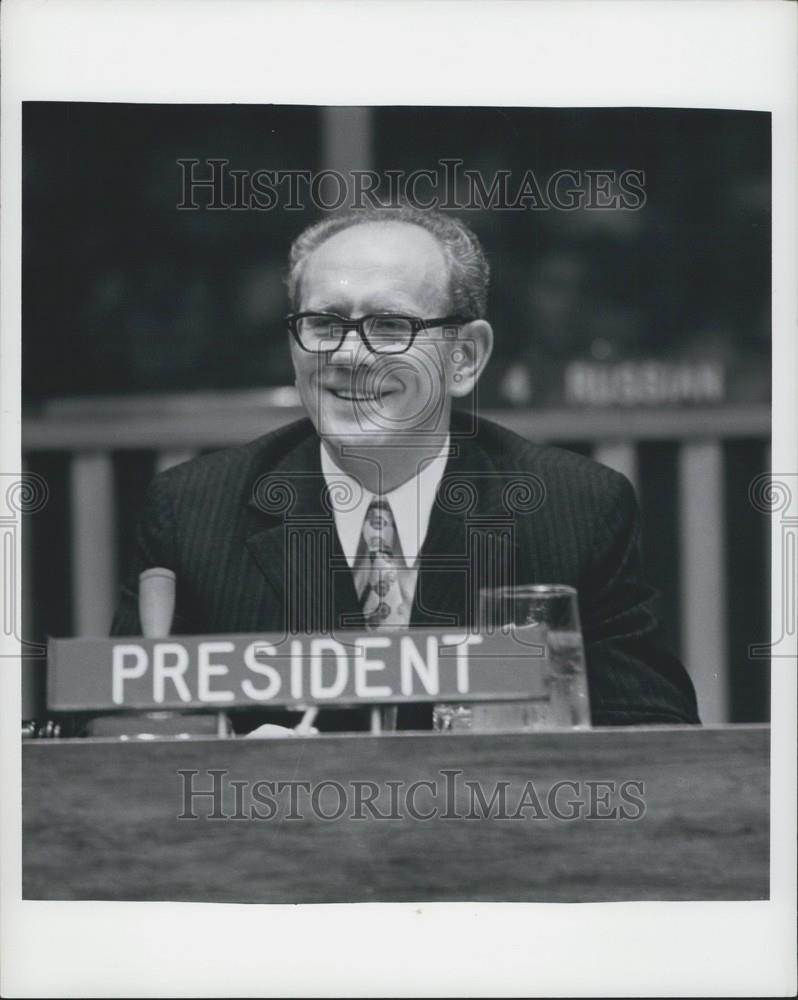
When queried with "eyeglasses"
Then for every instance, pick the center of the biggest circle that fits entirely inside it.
(385, 333)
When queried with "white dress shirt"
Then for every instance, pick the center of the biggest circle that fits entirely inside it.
(411, 505)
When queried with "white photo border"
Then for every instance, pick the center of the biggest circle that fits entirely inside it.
(737, 55)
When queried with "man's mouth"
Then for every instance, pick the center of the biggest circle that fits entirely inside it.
(359, 397)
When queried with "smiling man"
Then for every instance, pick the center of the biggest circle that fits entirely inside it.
(380, 391)
(388, 508)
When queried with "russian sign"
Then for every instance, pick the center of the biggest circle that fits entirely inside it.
(228, 671)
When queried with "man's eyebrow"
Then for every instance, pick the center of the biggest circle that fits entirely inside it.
(326, 307)
(369, 308)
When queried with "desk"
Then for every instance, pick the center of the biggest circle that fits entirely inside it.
(100, 820)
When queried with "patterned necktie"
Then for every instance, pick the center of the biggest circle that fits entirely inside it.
(381, 597)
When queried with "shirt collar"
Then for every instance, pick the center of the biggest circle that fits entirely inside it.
(411, 504)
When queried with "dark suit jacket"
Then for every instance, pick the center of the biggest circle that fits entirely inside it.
(250, 534)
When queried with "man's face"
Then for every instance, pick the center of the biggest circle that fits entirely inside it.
(352, 395)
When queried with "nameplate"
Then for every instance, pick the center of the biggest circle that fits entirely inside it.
(349, 668)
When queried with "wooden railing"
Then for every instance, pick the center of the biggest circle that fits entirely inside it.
(179, 430)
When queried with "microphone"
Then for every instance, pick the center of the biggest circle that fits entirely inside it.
(156, 610)
(156, 601)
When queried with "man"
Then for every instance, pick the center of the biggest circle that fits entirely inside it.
(386, 507)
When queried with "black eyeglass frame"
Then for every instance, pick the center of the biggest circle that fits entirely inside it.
(347, 324)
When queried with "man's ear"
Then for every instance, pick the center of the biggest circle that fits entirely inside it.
(468, 356)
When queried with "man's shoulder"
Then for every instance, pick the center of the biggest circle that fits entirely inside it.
(230, 466)
(558, 468)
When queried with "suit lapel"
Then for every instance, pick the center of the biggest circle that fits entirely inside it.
(445, 590)
(296, 546)
(473, 540)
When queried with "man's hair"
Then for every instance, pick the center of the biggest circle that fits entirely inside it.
(465, 259)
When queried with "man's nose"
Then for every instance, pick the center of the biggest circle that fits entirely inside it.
(350, 350)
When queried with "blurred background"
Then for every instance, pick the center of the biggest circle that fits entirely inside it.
(641, 337)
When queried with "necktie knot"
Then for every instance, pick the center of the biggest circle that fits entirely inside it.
(379, 529)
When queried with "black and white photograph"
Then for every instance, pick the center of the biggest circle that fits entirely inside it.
(397, 507)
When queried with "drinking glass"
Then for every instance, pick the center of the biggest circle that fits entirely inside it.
(550, 613)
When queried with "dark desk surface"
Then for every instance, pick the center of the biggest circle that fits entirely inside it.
(100, 820)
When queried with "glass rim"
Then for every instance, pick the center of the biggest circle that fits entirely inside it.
(531, 590)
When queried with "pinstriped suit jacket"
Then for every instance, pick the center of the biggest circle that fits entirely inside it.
(250, 534)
